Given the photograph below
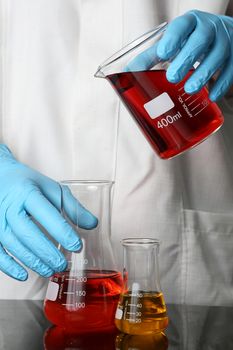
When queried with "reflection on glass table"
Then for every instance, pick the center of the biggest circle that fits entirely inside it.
(24, 326)
(156, 341)
(57, 339)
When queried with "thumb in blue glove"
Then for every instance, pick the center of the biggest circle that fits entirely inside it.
(26, 198)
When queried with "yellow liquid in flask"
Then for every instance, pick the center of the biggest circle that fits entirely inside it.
(141, 313)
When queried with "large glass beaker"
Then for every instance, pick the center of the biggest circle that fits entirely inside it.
(141, 308)
(84, 297)
(171, 120)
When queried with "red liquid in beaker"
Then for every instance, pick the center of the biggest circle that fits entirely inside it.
(171, 120)
(85, 303)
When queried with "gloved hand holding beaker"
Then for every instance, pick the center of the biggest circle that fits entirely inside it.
(172, 120)
(26, 198)
(199, 36)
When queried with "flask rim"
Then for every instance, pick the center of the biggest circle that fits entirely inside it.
(86, 182)
(137, 242)
(130, 47)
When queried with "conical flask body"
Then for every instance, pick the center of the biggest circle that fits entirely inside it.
(141, 309)
(84, 297)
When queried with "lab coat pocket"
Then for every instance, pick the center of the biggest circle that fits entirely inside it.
(207, 258)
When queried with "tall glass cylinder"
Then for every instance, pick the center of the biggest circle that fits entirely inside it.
(84, 297)
(141, 308)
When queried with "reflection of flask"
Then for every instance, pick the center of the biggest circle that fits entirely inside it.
(55, 338)
(153, 341)
(141, 308)
(84, 297)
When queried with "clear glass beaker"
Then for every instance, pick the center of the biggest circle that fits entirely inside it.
(141, 308)
(84, 297)
(171, 120)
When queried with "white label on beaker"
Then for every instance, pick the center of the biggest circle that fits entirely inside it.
(159, 105)
(52, 291)
(119, 314)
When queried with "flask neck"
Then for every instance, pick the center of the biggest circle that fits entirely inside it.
(141, 268)
(97, 252)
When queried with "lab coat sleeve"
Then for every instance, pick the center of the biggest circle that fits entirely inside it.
(216, 7)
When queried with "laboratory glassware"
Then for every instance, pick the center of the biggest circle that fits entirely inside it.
(171, 120)
(141, 308)
(154, 341)
(84, 297)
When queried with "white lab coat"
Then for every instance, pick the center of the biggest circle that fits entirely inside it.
(57, 118)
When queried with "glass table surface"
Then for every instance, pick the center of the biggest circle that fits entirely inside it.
(24, 326)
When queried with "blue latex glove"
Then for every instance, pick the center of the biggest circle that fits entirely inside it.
(27, 194)
(199, 36)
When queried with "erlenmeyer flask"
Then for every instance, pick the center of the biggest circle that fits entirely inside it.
(141, 308)
(84, 297)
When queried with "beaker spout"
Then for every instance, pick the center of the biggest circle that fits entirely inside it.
(99, 73)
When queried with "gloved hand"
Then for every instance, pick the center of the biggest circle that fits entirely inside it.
(27, 194)
(199, 35)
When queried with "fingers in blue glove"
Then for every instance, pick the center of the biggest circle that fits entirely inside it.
(144, 61)
(76, 212)
(73, 208)
(50, 218)
(23, 254)
(223, 83)
(188, 39)
(210, 65)
(31, 237)
(199, 36)
(10, 267)
(195, 47)
(175, 36)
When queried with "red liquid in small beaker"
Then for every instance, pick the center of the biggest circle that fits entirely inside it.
(171, 120)
(85, 303)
